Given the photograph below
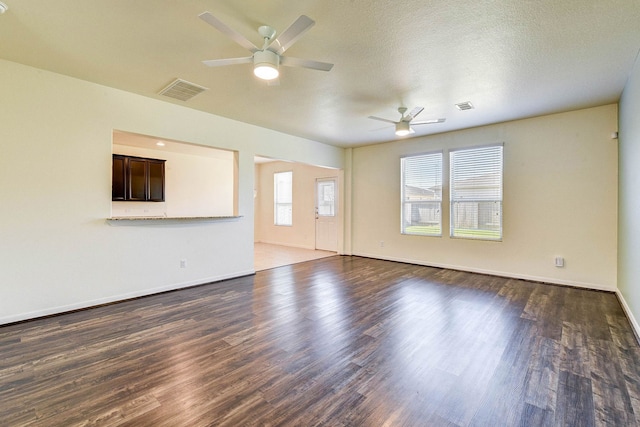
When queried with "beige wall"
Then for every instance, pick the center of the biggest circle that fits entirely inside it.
(57, 251)
(629, 220)
(302, 232)
(560, 199)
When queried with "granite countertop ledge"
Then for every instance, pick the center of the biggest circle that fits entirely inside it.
(172, 218)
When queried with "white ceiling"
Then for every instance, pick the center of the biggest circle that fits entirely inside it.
(511, 58)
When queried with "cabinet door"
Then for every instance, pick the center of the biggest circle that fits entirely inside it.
(138, 179)
(156, 181)
(119, 181)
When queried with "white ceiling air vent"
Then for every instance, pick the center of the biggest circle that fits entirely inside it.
(465, 106)
(182, 90)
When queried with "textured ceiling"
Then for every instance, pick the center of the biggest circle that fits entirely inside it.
(511, 58)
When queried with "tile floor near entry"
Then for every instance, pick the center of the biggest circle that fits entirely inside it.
(269, 256)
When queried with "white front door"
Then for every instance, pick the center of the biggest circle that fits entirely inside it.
(326, 214)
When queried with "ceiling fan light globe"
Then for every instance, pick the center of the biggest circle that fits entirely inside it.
(403, 129)
(265, 71)
(265, 65)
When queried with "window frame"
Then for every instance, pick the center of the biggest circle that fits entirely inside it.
(318, 205)
(406, 204)
(484, 234)
(277, 204)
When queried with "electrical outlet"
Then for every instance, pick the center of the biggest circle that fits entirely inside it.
(382, 243)
(559, 261)
(183, 263)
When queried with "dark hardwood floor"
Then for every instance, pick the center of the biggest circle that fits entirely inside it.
(342, 341)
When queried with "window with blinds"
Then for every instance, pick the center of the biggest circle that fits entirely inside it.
(283, 198)
(422, 194)
(476, 192)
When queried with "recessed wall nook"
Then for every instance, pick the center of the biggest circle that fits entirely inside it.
(157, 179)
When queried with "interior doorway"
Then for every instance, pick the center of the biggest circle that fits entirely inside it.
(316, 213)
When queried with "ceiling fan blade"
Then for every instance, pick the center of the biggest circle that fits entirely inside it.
(227, 61)
(291, 34)
(412, 114)
(428, 122)
(382, 120)
(229, 32)
(305, 63)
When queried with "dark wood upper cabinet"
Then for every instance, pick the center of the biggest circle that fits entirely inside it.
(119, 179)
(137, 179)
(156, 180)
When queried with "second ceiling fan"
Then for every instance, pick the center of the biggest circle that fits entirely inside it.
(403, 126)
(266, 60)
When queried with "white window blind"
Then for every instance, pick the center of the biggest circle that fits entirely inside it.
(422, 194)
(476, 192)
(283, 198)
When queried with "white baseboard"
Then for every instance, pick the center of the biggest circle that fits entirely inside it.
(511, 275)
(115, 298)
(627, 310)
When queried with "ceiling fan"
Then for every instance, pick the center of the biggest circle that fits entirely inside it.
(267, 59)
(403, 126)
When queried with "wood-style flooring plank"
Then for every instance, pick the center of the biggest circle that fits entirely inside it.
(341, 341)
(574, 406)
